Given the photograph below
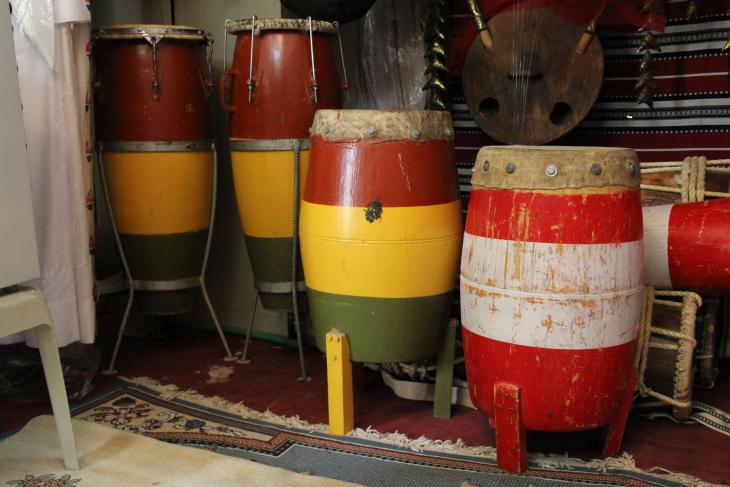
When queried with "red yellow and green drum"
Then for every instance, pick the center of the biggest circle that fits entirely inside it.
(154, 127)
(381, 231)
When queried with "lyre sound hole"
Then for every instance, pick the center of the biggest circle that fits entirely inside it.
(489, 107)
(560, 113)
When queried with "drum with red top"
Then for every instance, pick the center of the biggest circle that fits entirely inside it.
(551, 291)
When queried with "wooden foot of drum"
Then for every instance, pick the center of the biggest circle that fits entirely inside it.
(339, 384)
(618, 425)
(445, 373)
(510, 429)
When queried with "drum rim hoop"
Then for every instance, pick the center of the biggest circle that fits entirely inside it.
(243, 26)
(157, 145)
(135, 31)
(555, 168)
(266, 145)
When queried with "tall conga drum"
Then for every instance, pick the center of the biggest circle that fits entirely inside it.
(551, 291)
(153, 122)
(272, 98)
(154, 132)
(381, 231)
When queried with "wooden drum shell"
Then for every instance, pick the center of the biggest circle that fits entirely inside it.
(381, 231)
(282, 105)
(551, 282)
(154, 130)
(127, 108)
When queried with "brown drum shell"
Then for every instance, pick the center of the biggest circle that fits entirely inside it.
(126, 108)
(283, 106)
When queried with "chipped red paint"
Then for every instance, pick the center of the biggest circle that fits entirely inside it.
(397, 173)
(555, 218)
(126, 107)
(562, 390)
(698, 246)
(283, 103)
(551, 292)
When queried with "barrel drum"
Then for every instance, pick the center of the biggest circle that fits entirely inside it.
(686, 246)
(551, 291)
(381, 231)
(272, 99)
(154, 129)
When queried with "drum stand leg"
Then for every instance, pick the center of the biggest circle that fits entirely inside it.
(510, 430)
(294, 260)
(100, 158)
(229, 356)
(244, 360)
(616, 429)
(443, 389)
(340, 401)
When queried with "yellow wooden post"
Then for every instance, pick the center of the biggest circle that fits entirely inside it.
(339, 384)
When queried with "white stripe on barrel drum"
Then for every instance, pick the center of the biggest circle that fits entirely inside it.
(550, 267)
(656, 252)
(547, 320)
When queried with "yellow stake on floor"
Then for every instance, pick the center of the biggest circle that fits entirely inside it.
(339, 384)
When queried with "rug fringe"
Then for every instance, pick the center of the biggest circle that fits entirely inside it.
(624, 462)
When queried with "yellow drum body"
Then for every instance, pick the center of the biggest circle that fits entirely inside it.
(263, 176)
(162, 203)
(381, 231)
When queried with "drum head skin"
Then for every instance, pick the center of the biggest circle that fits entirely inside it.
(531, 87)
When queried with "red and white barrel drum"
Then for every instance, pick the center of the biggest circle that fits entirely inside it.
(687, 246)
(551, 291)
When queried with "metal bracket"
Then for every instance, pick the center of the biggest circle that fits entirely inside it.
(153, 41)
(315, 86)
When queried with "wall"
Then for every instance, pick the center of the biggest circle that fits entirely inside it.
(108, 12)
(229, 278)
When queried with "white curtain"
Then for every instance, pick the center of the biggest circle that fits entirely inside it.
(51, 44)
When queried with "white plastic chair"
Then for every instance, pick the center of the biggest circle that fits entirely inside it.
(26, 309)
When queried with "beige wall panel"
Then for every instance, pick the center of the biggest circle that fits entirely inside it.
(229, 277)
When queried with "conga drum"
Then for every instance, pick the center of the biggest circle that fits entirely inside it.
(381, 231)
(153, 124)
(551, 291)
(272, 98)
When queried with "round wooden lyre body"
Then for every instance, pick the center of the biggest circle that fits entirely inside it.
(532, 86)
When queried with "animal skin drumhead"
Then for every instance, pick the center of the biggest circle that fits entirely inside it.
(531, 87)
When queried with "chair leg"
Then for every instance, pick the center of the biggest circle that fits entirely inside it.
(57, 390)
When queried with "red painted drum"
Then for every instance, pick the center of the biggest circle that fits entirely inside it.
(381, 230)
(551, 291)
(154, 130)
(275, 95)
(687, 246)
(272, 99)
(152, 83)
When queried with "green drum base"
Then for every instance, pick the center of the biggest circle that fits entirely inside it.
(382, 330)
(165, 303)
(282, 301)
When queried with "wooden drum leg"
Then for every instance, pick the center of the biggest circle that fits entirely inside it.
(339, 384)
(618, 425)
(443, 390)
(510, 431)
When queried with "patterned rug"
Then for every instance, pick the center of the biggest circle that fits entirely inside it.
(365, 457)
